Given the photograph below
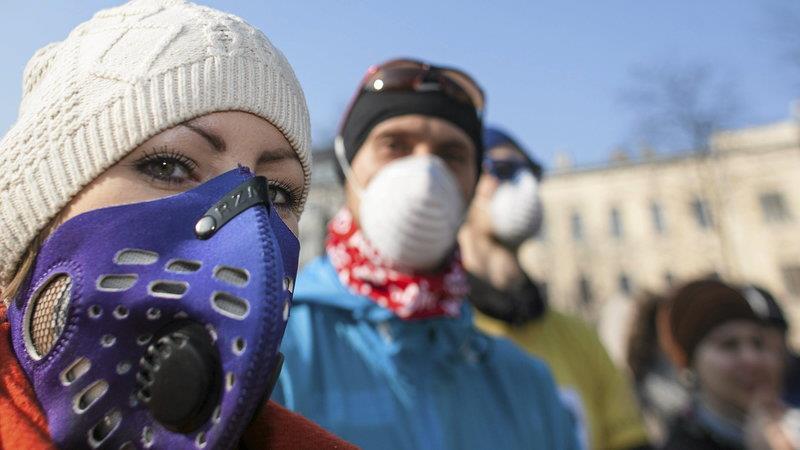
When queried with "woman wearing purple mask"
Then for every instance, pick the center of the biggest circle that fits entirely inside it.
(150, 192)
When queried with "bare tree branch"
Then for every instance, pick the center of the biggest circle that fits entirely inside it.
(679, 105)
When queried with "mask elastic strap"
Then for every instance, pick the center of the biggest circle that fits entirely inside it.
(339, 151)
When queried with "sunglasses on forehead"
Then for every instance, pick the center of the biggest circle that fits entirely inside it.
(417, 76)
(409, 75)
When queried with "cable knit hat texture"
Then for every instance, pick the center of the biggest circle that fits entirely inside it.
(117, 80)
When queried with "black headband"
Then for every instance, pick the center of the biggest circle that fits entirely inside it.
(372, 108)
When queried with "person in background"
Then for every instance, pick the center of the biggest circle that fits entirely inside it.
(713, 334)
(656, 380)
(505, 211)
(150, 193)
(776, 332)
(381, 348)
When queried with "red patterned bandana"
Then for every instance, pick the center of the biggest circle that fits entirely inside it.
(408, 295)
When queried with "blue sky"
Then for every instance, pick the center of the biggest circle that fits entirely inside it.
(553, 70)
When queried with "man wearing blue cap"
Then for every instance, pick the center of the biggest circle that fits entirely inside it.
(505, 211)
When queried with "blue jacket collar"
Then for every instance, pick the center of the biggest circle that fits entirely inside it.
(444, 338)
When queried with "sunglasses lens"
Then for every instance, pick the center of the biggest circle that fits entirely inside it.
(398, 78)
(466, 84)
(410, 75)
(503, 170)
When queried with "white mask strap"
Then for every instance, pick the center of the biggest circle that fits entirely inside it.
(341, 157)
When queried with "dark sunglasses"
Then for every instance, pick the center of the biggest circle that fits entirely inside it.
(412, 75)
(504, 169)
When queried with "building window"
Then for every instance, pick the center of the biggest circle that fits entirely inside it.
(585, 290)
(624, 284)
(616, 223)
(701, 213)
(773, 207)
(791, 278)
(658, 218)
(577, 227)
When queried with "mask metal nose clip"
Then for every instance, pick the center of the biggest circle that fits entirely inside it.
(252, 192)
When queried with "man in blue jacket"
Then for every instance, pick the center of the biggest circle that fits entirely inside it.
(381, 349)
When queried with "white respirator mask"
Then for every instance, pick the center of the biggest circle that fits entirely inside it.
(516, 209)
(410, 211)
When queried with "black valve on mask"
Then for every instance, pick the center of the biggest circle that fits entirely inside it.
(180, 377)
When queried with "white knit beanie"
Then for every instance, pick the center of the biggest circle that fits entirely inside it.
(117, 80)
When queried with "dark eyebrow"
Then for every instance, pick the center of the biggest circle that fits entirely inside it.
(396, 134)
(217, 142)
(276, 154)
(452, 144)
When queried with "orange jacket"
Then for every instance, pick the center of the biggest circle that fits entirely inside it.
(23, 424)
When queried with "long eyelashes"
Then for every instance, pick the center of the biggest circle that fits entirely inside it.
(292, 194)
(161, 164)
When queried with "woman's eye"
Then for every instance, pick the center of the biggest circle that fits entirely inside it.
(278, 196)
(284, 196)
(171, 168)
(166, 169)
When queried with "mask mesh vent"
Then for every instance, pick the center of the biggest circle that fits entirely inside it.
(89, 396)
(168, 289)
(76, 370)
(232, 275)
(135, 257)
(147, 437)
(49, 314)
(183, 266)
(201, 440)
(230, 305)
(116, 283)
(103, 429)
